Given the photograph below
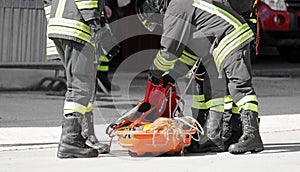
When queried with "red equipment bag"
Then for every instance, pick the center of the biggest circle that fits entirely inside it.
(164, 98)
(159, 101)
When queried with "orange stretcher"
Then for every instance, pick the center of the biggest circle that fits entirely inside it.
(143, 143)
(134, 131)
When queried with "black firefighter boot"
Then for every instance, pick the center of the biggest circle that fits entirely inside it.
(232, 128)
(72, 144)
(89, 134)
(250, 140)
(212, 140)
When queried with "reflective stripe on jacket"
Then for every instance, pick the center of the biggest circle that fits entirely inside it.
(233, 41)
(68, 19)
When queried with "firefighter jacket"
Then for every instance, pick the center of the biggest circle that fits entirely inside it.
(69, 19)
(188, 20)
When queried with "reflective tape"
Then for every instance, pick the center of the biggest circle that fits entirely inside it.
(60, 8)
(235, 110)
(199, 105)
(69, 23)
(198, 98)
(218, 108)
(241, 34)
(250, 106)
(162, 64)
(71, 107)
(90, 107)
(84, 4)
(103, 59)
(70, 32)
(215, 102)
(217, 11)
(248, 98)
(103, 68)
(231, 46)
(228, 99)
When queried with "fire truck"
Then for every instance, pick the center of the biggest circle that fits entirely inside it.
(279, 22)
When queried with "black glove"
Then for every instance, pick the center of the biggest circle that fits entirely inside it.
(113, 52)
(164, 80)
(168, 80)
(109, 44)
(96, 36)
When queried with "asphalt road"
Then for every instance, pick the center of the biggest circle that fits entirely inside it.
(278, 94)
(30, 129)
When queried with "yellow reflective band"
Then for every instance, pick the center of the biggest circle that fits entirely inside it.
(103, 68)
(215, 102)
(90, 107)
(70, 24)
(248, 98)
(198, 98)
(199, 105)
(163, 61)
(217, 11)
(103, 59)
(160, 66)
(253, 20)
(228, 99)
(71, 107)
(60, 8)
(231, 46)
(229, 38)
(86, 4)
(218, 108)
(69, 31)
(250, 106)
(235, 110)
(195, 58)
(187, 60)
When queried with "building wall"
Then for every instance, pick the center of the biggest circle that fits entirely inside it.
(22, 31)
(22, 41)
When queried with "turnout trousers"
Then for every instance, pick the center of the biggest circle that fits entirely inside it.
(81, 66)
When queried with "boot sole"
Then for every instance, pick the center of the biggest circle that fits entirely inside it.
(72, 155)
(254, 150)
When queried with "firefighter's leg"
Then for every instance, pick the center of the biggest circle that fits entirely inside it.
(238, 72)
(102, 75)
(80, 82)
(232, 129)
(89, 132)
(88, 123)
(214, 91)
(199, 112)
(199, 108)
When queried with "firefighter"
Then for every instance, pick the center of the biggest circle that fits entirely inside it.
(206, 23)
(75, 28)
(103, 66)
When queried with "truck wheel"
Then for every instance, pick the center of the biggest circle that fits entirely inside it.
(292, 54)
